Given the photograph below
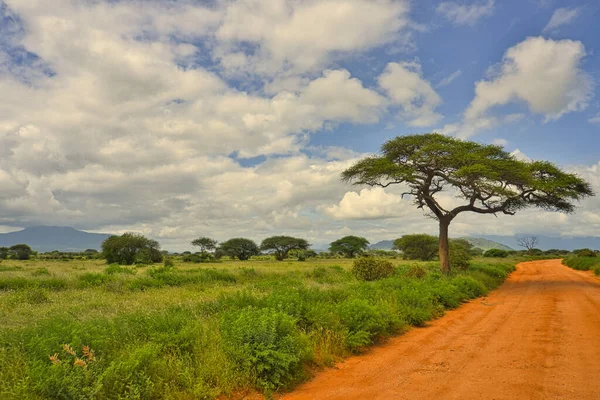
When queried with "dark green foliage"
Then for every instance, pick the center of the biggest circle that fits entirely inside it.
(417, 247)
(496, 253)
(20, 252)
(168, 263)
(460, 253)
(372, 269)
(266, 344)
(366, 321)
(349, 246)
(416, 271)
(240, 248)
(205, 244)
(281, 245)
(489, 179)
(40, 272)
(131, 248)
(584, 253)
(4, 253)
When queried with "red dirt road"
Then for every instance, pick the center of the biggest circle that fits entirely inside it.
(536, 337)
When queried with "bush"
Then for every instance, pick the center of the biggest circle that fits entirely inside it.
(265, 344)
(495, 253)
(372, 269)
(168, 263)
(365, 321)
(581, 263)
(416, 271)
(113, 269)
(459, 257)
(584, 253)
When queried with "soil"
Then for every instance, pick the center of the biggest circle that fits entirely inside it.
(536, 337)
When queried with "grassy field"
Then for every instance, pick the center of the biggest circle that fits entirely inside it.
(85, 330)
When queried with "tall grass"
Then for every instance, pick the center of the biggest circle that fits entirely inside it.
(258, 329)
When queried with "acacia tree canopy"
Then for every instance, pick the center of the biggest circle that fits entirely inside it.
(241, 248)
(130, 248)
(281, 245)
(488, 179)
(205, 244)
(417, 247)
(349, 245)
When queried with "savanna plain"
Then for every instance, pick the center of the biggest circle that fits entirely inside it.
(82, 329)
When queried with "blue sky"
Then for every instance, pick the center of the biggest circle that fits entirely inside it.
(235, 118)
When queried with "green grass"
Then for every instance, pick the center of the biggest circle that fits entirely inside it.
(583, 263)
(201, 331)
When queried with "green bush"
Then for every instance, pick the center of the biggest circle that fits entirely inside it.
(584, 253)
(40, 272)
(115, 268)
(581, 263)
(365, 321)
(495, 253)
(265, 344)
(372, 269)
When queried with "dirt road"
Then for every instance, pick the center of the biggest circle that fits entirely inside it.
(536, 337)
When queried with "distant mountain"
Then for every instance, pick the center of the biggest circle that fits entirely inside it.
(486, 244)
(382, 245)
(483, 244)
(49, 238)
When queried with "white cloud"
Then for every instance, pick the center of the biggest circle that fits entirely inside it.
(299, 36)
(523, 76)
(595, 120)
(560, 17)
(371, 203)
(500, 142)
(462, 14)
(449, 79)
(405, 86)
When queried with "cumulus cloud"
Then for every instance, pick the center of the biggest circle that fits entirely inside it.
(404, 84)
(594, 120)
(299, 36)
(523, 76)
(462, 14)
(560, 17)
(371, 203)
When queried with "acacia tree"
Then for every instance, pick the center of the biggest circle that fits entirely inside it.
(489, 179)
(349, 245)
(281, 245)
(241, 248)
(417, 247)
(528, 242)
(205, 244)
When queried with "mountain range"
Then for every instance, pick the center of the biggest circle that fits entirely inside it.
(49, 238)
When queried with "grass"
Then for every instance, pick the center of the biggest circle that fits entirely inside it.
(583, 263)
(85, 330)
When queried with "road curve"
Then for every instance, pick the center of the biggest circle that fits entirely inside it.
(536, 337)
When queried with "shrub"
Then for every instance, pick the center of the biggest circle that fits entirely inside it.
(581, 263)
(459, 257)
(584, 253)
(372, 269)
(416, 271)
(496, 253)
(168, 263)
(113, 269)
(470, 286)
(365, 321)
(92, 279)
(265, 344)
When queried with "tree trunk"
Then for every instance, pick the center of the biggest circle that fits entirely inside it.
(444, 248)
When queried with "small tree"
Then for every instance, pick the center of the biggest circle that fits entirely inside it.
(20, 252)
(130, 248)
(205, 244)
(529, 242)
(281, 245)
(489, 179)
(349, 246)
(241, 248)
(417, 247)
(4, 253)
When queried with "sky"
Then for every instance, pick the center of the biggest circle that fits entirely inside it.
(229, 118)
